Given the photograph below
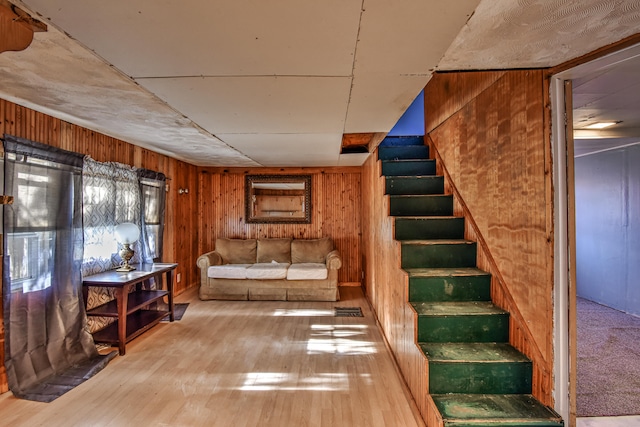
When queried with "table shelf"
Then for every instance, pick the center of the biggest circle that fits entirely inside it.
(135, 301)
(138, 322)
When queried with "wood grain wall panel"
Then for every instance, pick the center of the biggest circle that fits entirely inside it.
(335, 201)
(386, 286)
(452, 91)
(181, 235)
(493, 142)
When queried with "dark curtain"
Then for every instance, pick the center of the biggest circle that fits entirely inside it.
(152, 203)
(48, 349)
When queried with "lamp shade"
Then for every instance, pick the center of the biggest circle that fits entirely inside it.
(127, 232)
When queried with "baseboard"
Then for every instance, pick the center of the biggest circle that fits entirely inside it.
(349, 284)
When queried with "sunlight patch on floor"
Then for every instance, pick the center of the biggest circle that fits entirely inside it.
(303, 312)
(282, 381)
(339, 339)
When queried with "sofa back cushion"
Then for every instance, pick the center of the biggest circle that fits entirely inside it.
(236, 251)
(312, 250)
(278, 250)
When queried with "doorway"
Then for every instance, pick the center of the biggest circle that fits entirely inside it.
(596, 179)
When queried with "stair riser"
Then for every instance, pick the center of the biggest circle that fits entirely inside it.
(408, 167)
(450, 288)
(476, 377)
(394, 141)
(429, 228)
(403, 152)
(439, 255)
(421, 206)
(464, 328)
(414, 185)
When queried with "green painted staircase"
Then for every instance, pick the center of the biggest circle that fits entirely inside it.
(476, 378)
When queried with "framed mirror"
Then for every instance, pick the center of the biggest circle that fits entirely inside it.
(278, 199)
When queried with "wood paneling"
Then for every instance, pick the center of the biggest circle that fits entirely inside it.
(386, 285)
(491, 132)
(452, 92)
(181, 235)
(335, 201)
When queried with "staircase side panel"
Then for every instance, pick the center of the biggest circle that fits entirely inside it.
(492, 137)
(386, 285)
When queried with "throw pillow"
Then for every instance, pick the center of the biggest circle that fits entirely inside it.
(278, 250)
(236, 251)
(312, 250)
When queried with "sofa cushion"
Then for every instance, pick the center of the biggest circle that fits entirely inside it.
(236, 251)
(267, 270)
(278, 250)
(312, 250)
(228, 271)
(307, 271)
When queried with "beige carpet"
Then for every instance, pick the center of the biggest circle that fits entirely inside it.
(608, 361)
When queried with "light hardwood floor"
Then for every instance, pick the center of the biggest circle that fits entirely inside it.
(237, 363)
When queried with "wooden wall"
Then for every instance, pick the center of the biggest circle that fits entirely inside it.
(335, 202)
(491, 132)
(386, 285)
(180, 243)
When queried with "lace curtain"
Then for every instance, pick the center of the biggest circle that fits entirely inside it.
(111, 195)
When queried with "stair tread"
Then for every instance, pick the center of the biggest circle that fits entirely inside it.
(519, 409)
(445, 272)
(472, 352)
(418, 159)
(421, 179)
(415, 177)
(456, 308)
(420, 196)
(425, 217)
(427, 242)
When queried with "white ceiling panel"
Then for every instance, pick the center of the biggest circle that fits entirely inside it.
(146, 38)
(379, 100)
(58, 77)
(356, 159)
(530, 34)
(258, 104)
(408, 40)
(275, 150)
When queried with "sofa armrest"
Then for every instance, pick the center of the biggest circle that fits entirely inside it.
(333, 260)
(210, 258)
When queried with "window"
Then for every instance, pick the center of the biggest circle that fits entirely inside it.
(153, 201)
(39, 188)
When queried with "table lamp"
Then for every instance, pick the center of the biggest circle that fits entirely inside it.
(126, 234)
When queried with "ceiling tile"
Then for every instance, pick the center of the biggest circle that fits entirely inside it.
(258, 104)
(408, 40)
(377, 107)
(146, 38)
(525, 34)
(272, 150)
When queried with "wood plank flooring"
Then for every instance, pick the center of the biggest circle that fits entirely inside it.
(240, 363)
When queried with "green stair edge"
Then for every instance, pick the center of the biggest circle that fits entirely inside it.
(484, 410)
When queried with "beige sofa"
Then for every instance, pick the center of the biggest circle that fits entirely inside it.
(270, 269)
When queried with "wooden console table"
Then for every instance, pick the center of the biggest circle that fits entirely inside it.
(131, 308)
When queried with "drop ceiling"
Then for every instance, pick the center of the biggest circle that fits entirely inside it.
(278, 83)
